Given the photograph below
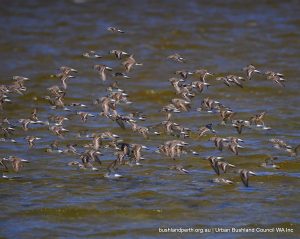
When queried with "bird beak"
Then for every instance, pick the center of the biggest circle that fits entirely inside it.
(145, 147)
(116, 136)
(108, 68)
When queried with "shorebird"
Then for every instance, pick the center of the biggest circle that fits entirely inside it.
(25, 123)
(169, 109)
(20, 79)
(258, 119)
(202, 73)
(244, 174)
(67, 70)
(91, 54)
(16, 162)
(225, 80)
(278, 78)
(101, 69)
(233, 147)
(145, 131)
(199, 85)
(226, 115)
(172, 148)
(76, 163)
(269, 163)
(219, 142)
(6, 128)
(224, 165)
(71, 149)
(207, 128)
(119, 97)
(214, 163)
(183, 73)
(115, 30)
(91, 156)
(58, 119)
(84, 115)
(118, 53)
(176, 83)
(33, 115)
(179, 168)
(181, 104)
(120, 119)
(3, 99)
(209, 104)
(250, 70)
(281, 145)
(114, 87)
(64, 77)
(57, 102)
(130, 62)
(87, 160)
(240, 124)
(54, 148)
(17, 87)
(108, 105)
(222, 181)
(177, 57)
(58, 130)
(234, 140)
(235, 80)
(135, 152)
(31, 140)
(120, 74)
(55, 91)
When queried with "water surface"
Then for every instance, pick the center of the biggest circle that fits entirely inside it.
(52, 200)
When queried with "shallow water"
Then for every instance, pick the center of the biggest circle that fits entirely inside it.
(52, 200)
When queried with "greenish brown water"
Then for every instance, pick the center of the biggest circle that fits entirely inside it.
(52, 200)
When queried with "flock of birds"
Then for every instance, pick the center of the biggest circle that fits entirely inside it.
(89, 155)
